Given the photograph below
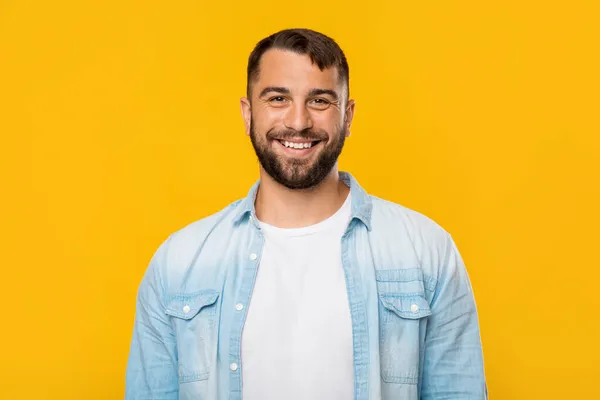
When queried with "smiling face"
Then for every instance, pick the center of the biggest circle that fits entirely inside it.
(298, 117)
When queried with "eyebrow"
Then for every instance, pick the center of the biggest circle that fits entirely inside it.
(318, 92)
(313, 92)
(276, 89)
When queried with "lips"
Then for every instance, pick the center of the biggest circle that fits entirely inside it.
(297, 148)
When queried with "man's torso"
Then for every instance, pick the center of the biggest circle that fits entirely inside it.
(391, 259)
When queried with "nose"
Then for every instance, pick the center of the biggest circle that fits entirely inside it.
(298, 118)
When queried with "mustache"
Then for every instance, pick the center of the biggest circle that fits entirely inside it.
(306, 134)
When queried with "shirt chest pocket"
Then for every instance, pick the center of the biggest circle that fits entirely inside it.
(403, 312)
(194, 318)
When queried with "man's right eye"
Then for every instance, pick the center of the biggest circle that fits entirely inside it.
(277, 99)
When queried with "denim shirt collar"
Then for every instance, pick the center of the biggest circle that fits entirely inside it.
(361, 202)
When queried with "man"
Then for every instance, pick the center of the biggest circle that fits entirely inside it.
(308, 288)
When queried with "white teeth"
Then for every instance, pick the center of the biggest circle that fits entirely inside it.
(297, 145)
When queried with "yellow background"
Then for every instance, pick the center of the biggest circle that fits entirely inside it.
(119, 124)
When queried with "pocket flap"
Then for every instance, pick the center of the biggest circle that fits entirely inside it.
(186, 306)
(410, 307)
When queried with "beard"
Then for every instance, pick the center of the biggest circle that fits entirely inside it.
(297, 173)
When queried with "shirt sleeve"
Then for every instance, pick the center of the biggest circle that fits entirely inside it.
(152, 365)
(453, 362)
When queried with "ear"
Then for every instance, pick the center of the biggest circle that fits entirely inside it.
(246, 110)
(349, 115)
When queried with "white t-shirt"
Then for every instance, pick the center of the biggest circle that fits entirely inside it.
(297, 339)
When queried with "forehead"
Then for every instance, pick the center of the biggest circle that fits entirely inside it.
(295, 72)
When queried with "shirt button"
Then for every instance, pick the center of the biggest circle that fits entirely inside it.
(414, 308)
(186, 309)
(239, 306)
(233, 366)
(253, 256)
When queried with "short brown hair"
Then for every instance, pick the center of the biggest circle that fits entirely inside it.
(321, 49)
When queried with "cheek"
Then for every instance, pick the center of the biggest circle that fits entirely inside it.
(266, 119)
(331, 122)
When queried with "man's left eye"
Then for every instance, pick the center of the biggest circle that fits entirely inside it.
(319, 104)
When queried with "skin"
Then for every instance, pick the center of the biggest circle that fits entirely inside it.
(293, 99)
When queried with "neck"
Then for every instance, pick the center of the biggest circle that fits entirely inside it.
(296, 208)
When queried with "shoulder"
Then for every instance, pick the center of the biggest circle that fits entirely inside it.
(184, 251)
(413, 239)
(196, 231)
(389, 216)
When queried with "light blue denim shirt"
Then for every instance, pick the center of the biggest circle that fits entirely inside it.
(414, 321)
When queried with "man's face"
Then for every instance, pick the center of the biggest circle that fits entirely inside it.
(298, 118)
